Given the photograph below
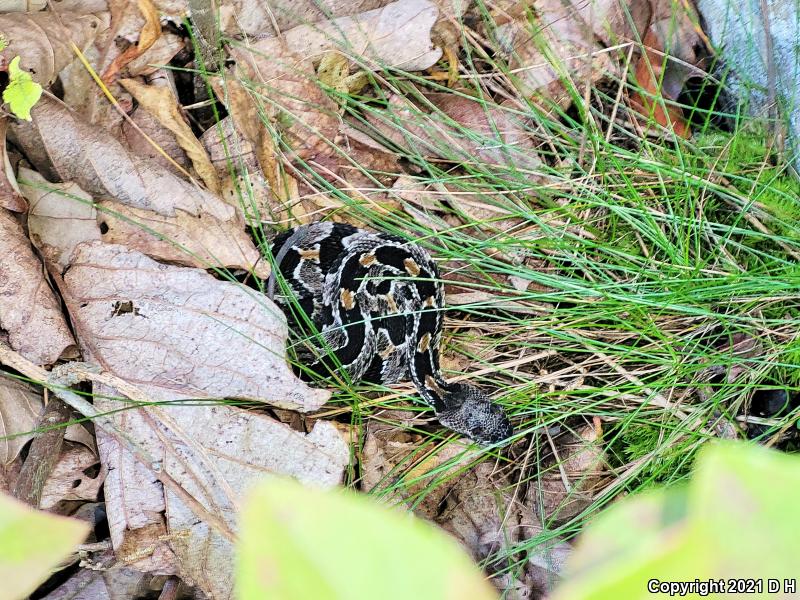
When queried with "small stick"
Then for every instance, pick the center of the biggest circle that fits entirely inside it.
(44, 452)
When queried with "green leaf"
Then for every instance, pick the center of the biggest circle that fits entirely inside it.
(299, 543)
(31, 544)
(737, 518)
(22, 93)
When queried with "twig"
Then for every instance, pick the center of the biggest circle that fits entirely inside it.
(44, 452)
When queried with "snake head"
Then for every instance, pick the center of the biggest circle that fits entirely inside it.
(472, 413)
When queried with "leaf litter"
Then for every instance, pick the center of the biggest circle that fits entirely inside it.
(137, 253)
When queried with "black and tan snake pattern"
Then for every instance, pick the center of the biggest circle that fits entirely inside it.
(377, 302)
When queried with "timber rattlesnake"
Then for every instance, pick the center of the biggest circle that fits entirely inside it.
(377, 302)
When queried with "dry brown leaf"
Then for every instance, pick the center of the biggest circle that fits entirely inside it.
(396, 35)
(61, 216)
(253, 17)
(294, 102)
(150, 32)
(84, 97)
(246, 448)
(20, 405)
(159, 54)
(566, 486)
(30, 313)
(202, 241)
(231, 151)
(180, 330)
(488, 133)
(179, 333)
(161, 148)
(9, 6)
(69, 481)
(215, 453)
(10, 195)
(42, 40)
(162, 104)
(64, 148)
(568, 31)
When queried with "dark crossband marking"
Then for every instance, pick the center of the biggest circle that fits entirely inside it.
(348, 299)
(367, 259)
(412, 268)
(310, 254)
(424, 343)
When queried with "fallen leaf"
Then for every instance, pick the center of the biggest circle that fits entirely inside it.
(253, 17)
(69, 481)
(61, 216)
(32, 543)
(118, 583)
(30, 313)
(214, 452)
(181, 330)
(20, 405)
(161, 148)
(397, 35)
(552, 48)
(10, 195)
(162, 104)
(150, 32)
(64, 148)
(43, 40)
(242, 179)
(566, 485)
(287, 93)
(245, 448)
(159, 54)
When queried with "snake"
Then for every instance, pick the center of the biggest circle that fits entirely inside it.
(372, 305)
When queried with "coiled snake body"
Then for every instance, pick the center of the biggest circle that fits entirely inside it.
(377, 302)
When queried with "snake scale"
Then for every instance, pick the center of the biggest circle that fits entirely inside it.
(377, 302)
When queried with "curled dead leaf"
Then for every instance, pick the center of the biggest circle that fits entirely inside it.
(10, 195)
(69, 480)
(150, 32)
(162, 104)
(64, 148)
(30, 313)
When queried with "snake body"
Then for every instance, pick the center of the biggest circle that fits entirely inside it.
(377, 301)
